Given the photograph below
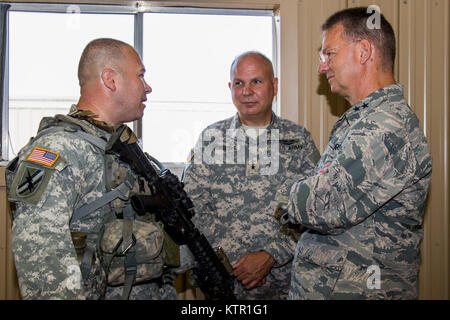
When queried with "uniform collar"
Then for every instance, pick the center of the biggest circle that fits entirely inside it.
(373, 100)
(237, 124)
(89, 117)
(369, 103)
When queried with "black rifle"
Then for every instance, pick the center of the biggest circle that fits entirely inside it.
(175, 209)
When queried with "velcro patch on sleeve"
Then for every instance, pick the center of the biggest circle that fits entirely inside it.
(43, 156)
(30, 182)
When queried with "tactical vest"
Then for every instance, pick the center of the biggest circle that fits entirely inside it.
(129, 248)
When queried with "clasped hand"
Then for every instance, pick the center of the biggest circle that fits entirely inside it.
(252, 268)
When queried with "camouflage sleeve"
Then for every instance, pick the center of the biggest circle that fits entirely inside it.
(300, 170)
(279, 245)
(371, 167)
(311, 155)
(196, 181)
(283, 247)
(44, 255)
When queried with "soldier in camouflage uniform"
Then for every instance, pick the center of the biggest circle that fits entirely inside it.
(234, 174)
(364, 205)
(71, 200)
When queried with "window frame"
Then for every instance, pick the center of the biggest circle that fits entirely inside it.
(138, 12)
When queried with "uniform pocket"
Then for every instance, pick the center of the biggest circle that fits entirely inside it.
(316, 269)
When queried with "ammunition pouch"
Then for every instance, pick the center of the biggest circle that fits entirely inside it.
(144, 250)
(170, 251)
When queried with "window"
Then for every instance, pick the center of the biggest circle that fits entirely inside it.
(188, 58)
(44, 49)
(187, 54)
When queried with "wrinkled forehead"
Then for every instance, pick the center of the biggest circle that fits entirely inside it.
(332, 36)
(251, 65)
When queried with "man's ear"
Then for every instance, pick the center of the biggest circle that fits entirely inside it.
(108, 77)
(366, 51)
(275, 86)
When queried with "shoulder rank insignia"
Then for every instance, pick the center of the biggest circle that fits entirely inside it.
(43, 156)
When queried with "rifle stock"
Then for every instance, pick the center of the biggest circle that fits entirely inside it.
(175, 210)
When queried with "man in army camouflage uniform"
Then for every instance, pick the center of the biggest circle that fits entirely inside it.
(364, 205)
(69, 194)
(237, 166)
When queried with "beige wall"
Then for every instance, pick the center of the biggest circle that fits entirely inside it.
(422, 66)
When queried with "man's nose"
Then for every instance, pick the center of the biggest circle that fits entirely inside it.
(247, 90)
(323, 67)
(148, 89)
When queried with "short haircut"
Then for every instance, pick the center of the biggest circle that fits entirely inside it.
(100, 53)
(265, 60)
(355, 23)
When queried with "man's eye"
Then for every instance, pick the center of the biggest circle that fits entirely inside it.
(330, 54)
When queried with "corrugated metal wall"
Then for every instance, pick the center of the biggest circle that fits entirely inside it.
(422, 66)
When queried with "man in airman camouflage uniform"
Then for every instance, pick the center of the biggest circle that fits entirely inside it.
(364, 205)
(66, 191)
(238, 165)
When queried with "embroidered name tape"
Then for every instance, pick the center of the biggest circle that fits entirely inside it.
(42, 156)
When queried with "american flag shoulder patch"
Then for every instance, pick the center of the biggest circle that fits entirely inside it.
(43, 156)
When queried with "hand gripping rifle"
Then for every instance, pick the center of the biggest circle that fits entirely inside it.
(175, 210)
